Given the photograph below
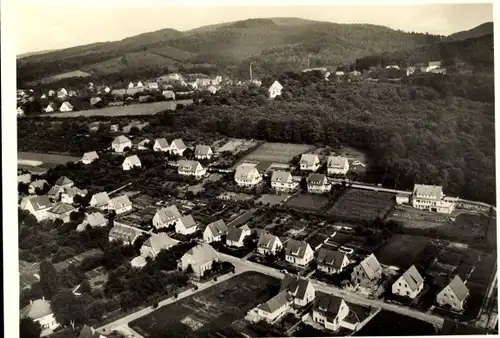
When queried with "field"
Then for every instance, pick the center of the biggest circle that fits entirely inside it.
(234, 146)
(46, 160)
(272, 199)
(110, 66)
(209, 311)
(402, 250)
(27, 271)
(276, 152)
(146, 60)
(415, 218)
(392, 324)
(131, 110)
(362, 204)
(54, 78)
(307, 202)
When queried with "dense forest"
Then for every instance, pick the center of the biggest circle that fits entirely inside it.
(411, 133)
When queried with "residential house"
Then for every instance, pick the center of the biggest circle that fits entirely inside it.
(66, 106)
(152, 85)
(161, 144)
(337, 165)
(166, 216)
(299, 252)
(95, 100)
(40, 312)
(247, 176)
(114, 127)
(168, 94)
(141, 144)
(402, 199)
(38, 206)
(120, 143)
(275, 307)
(300, 289)
(72, 93)
(329, 311)
(177, 147)
(62, 93)
(131, 162)
(94, 220)
(433, 65)
(368, 273)
(61, 211)
(331, 261)
(283, 181)
(36, 185)
(51, 92)
(131, 85)
(24, 178)
(89, 157)
(268, 244)
(309, 162)
(431, 197)
(201, 82)
(275, 90)
(200, 258)
(100, 200)
(318, 184)
(127, 235)
(64, 182)
(120, 204)
(140, 84)
(409, 284)
(88, 332)
(212, 90)
(454, 294)
(69, 194)
(191, 168)
(214, 231)
(186, 225)
(392, 67)
(202, 152)
(157, 242)
(20, 111)
(55, 192)
(236, 236)
(50, 108)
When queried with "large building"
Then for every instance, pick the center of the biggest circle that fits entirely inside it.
(431, 197)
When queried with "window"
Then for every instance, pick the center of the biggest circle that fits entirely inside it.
(407, 293)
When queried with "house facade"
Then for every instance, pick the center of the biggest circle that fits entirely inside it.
(177, 147)
(126, 235)
(155, 244)
(166, 217)
(39, 207)
(40, 311)
(66, 106)
(454, 295)
(202, 152)
(268, 244)
(89, 157)
(431, 197)
(191, 168)
(236, 236)
(283, 181)
(120, 143)
(309, 162)
(120, 204)
(275, 307)
(214, 231)
(318, 184)
(131, 162)
(299, 252)
(330, 311)
(300, 289)
(368, 273)
(337, 165)
(331, 262)
(161, 144)
(186, 225)
(100, 200)
(275, 90)
(200, 258)
(247, 176)
(409, 284)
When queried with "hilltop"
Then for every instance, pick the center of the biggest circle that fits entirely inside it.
(478, 31)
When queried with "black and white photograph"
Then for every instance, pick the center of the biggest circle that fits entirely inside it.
(251, 170)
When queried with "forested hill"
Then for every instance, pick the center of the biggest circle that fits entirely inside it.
(478, 31)
(286, 43)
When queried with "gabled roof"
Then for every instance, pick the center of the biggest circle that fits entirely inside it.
(40, 202)
(435, 191)
(235, 234)
(179, 144)
(188, 221)
(309, 159)
(245, 172)
(295, 285)
(101, 198)
(37, 309)
(317, 179)
(281, 176)
(88, 332)
(337, 162)
(202, 150)
(330, 258)
(55, 190)
(169, 213)
(413, 278)
(66, 104)
(73, 191)
(162, 142)
(276, 85)
(120, 202)
(371, 266)
(120, 140)
(327, 304)
(202, 253)
(91, 155)
(62, 208)
(63, 180)
(160, 241)
(458, 287)
(133, 160)
(218, 228)
(38, 184)
(267, 240)
(276, 302)
(123, 233)
(96, 219)
(296, 248)
(188, 165)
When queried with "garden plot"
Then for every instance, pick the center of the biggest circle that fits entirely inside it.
(363, 205)
(276, 152)
(402, 250)
(307, 202)
(415, 218)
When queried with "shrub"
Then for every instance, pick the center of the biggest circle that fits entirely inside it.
(176, 295)
(215, 279)
(196, 287)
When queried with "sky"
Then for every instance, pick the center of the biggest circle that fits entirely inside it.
(54, 27)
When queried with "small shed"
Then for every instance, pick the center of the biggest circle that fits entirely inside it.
(402, 199)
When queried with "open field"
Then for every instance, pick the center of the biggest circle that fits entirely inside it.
(27, 271)
(234, 145)
(362, 204)
(415, 218)
(271, 200)
(307, 202)
(209, 311)
(392, 324)
(402, 250)
(54, 78)
(46, 160)
(131, 110)
(276, 152)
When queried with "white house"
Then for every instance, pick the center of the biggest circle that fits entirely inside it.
(38, 206)
(157, 242)
(24, 178)
(309, 162)
(268, 244)
(203, 152)
(337, 165)
(247, 176)
(161, 144)
(433, 65)
(131, 85)
(177, 147)
(40, 311)
(214, 231)
(152, 85)
(329, 311)
(299, 288)
(20, 111)
(318, 184)
(120, 204)
(283, 181)
(454, 294)
(168, 94)
(51, 92)
(330, 261)
(66, 106)
(131, 162)
(275, 89)
(62, 93)
(127, 235)
(140, 84)
(200, 258)
(191, 168)
(186, 225)
(368, 273)
(409, 284)
(100, 200)
(89, 157)
(431, 197)
(166, 216)
(120, 143)
(236, 236)
(402, 199)
(68, 195)
(49, 108)
(275, 307)
(94, 220)
(61, 211)
(299, 252)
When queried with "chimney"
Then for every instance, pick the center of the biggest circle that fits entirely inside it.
(251, 77)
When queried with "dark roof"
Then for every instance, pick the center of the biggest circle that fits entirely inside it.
(294, 285)
(296, 248)
(459, 288)
(266, 240)
(63, 180)
(234, 234)
(276, 302)
(327, 304)
(330, 257)
(317, 179)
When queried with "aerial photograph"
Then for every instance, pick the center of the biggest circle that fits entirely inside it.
(246, 171)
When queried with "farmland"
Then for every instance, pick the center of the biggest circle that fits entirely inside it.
(402, 250)
(276, 152)
(415, 218)
(212, 310)
(45, 160)
(362, 205)
(393, 324)
(307, 202)
(131, 110)
(54, 78)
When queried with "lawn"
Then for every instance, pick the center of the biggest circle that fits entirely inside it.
(307, 202)
(402, 250)
(271, 200)
(54, 78)
(34, 159)
(276, 152)
(209, 311)
(362, 205)
(131, 110)
(415, 218)
(392, 324)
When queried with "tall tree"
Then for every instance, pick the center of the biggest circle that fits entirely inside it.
(29, 328)
(68, 309)
(49, 279)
